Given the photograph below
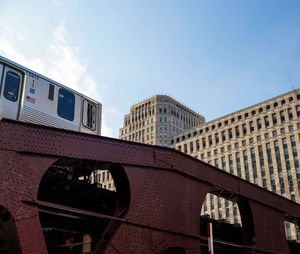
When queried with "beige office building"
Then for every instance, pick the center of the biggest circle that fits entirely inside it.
(260, 143)
(153, 121)
(156, 120)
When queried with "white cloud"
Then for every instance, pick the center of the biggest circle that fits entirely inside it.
(60, 61)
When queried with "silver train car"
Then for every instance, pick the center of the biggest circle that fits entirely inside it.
(30, 97)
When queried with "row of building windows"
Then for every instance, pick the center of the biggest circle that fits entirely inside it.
(257, 160)
(246, 128)
(230, 147)
(282, 116)
(195, 146)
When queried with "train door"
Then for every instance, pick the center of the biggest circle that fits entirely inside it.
(10, 96)
(89, 117)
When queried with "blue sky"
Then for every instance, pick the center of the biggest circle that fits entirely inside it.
(215, 56)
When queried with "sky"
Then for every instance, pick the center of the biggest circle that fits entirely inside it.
(215, 56)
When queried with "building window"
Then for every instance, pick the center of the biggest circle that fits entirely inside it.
(223, 163)
(216, 163)
(270, 165)
(274, 118)
(229, 148)
(267, 123)
(215, 152)
(208, 154)
(244, 143)
(203, 143)
(262, 166)
(246, 165)
(230, 134)
(290, 113)
(258, 121)
(238, 164)
(185, 148)
(222, 149)
(244, 129)
(279, 167)
(274, 133)
(275, 105)
(298, 111)
(251, 141)
(223, 136)
(217, 138)
(237, 132)
(197, 145)
(282, 117)
(267, 135)
(210, 140)
(191, 147)
(236, 145)
(230, 163)
(291, 128)
(251, 126)
(268, 107)
(254, 167)
(296, 160)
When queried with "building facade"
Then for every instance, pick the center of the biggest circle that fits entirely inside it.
(156, 120)
(260, 144)
(153, 121)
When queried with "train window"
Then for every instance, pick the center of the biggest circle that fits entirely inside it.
(89, 115)
(51, 92)
(66, 104)
(11, 89)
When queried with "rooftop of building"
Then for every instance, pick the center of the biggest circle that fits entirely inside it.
(294, 91)
(169, 98)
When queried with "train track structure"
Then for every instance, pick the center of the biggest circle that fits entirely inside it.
(49, 204)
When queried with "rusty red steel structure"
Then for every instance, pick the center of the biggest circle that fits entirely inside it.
(159, 197)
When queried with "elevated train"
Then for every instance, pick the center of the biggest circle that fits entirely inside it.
(30, 97)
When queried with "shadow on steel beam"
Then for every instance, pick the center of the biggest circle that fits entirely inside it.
(76, 212)
(9, 242)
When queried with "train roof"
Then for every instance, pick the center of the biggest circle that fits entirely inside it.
(44, 77)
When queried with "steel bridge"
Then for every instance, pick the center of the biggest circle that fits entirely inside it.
(48, 203)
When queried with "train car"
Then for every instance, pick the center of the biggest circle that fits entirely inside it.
(30, 97)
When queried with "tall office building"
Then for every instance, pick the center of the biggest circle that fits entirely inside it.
(153, 121)
(260, 144)
(156, 120)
